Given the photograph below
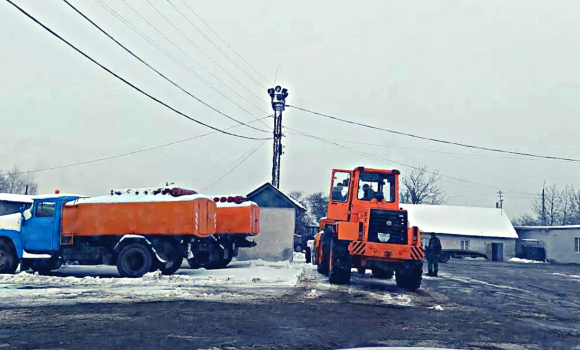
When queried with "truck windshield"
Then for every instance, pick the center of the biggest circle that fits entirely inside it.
(376, 185)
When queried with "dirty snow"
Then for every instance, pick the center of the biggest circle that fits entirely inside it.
(27, 255)
(436, 307)
(10, 222)
(71, 284)
(574, 277)
(526, 261)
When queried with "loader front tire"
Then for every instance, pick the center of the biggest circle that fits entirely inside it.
(325, 240)
(410, 277)
(134, 260)
(382, 274)
(8, 258)
(340, 262)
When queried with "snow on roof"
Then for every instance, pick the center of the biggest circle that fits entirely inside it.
(455, 220)
(234, 204)
(15, 198)
(56, 195)
(295, 202)
(546, 227)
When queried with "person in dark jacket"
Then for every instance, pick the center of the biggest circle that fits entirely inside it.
(433, 254)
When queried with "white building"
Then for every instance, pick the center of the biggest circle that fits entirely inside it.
(560, 244)
(484, 230)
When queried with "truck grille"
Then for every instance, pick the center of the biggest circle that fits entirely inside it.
(397, 230)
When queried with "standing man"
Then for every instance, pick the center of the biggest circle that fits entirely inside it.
(433, 254)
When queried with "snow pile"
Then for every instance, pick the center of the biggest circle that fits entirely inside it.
(526, 261)
(248, 280)
(436, 307)
(10, 222)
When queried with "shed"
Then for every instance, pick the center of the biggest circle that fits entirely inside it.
(485, 230)
(556, 244)
(10, 203)
(277, 225)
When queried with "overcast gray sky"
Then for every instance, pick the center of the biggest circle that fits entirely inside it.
(492, 73)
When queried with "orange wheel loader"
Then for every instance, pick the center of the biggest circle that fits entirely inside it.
(366, 229)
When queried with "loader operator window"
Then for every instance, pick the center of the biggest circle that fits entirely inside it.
(340, 187)
(45, 209)
(376, 185)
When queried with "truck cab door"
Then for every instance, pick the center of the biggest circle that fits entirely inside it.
(40, 230)
(338, 201)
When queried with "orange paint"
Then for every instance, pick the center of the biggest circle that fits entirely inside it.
(195, 217)
(239, 219)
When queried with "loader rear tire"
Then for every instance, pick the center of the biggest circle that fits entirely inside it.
(134, 260)
(8, 258)
(340, 262)
(382, 274)
(410, 278)
(325, 240)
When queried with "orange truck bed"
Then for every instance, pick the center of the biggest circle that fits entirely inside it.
(243, 218)
(188, 215)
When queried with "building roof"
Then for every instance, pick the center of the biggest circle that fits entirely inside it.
(15, 198)
(455, 220)
(268, 186)
(567, 227)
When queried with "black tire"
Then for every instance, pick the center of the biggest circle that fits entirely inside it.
(361, 270)
(134, 260)
(410, 278)
(340, 262)
(382, 274)
(226, 262)
(176, 266)
(298, 248)
(325, 258)
(444, 257)
(193, 263)
(8, 258)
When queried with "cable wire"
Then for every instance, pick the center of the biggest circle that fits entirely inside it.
(225, 42)
(436, 140)
(127, 82)
(127, 153)
(195, 61)
(155, 70)
(237, 163)
(216, 46)
(399, 163)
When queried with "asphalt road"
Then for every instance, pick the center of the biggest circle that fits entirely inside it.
(475, 305)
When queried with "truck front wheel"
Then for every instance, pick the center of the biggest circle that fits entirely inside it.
(134, 260)
(8, 258)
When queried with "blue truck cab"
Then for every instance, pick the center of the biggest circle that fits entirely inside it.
(32, 237)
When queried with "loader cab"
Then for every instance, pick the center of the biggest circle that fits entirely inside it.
(353, 191)
(41, 224)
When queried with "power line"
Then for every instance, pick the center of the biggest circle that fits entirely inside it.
(208, 57)
(225, 42)
(193, 60)
(125, 81)
(216, 46)
(155, 70)
(436, 140)
(237, 163)
(127, 153)
(402, 164)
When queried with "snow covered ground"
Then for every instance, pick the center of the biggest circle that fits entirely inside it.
(240, 281)
(525, 261)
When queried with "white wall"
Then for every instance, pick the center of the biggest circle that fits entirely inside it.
(478, 244)
(558, 242)
(276, 239)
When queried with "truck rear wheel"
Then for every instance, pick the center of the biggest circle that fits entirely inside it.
(176, 265)
(134, 260)
(340, 262)
(323, 267)
(8, 258)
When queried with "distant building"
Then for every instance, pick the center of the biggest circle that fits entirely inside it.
(557, 244)
(483, 230)
(11, 203)
(277, 225)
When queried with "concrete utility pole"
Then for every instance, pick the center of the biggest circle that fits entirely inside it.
(500, 201)
(544, 204)
(278, 96)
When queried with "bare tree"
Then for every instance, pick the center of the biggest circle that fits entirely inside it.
(421, 186)
(525, 220)
(14, 181)
(575, 206)
(317, 204)
(566, 204)
(548, 210)
(303, 217)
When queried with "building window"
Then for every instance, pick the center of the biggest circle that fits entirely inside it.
(465, 245)
(577, 244)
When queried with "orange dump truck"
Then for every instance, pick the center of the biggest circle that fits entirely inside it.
(237, 219)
